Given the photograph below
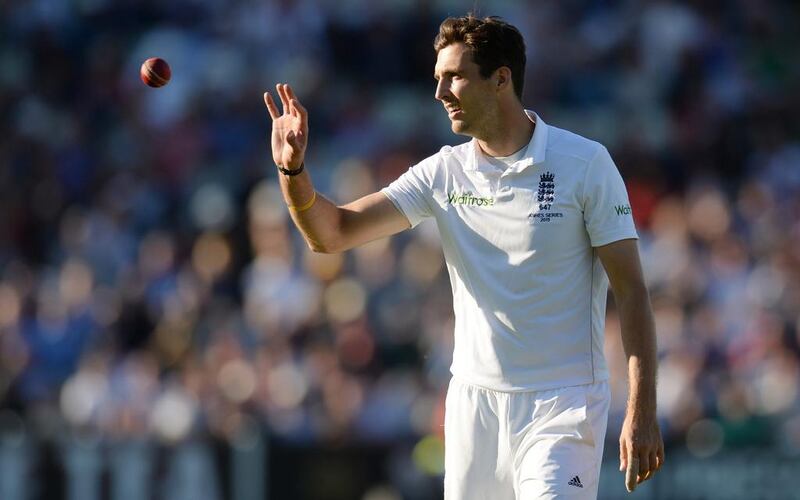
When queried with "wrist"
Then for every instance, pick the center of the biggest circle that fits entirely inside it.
(641, 408)
(292, 171)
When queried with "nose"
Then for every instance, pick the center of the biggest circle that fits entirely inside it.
(442, 90)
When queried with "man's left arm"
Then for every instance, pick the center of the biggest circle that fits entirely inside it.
(641, 445)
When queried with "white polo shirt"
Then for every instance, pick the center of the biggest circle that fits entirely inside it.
(529, 292)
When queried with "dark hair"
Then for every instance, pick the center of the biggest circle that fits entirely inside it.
(492, 42)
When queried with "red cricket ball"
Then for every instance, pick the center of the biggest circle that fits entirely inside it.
(155, 72)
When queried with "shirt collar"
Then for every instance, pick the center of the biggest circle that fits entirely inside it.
(533, 155)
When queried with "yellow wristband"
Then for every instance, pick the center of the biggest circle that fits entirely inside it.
(305, 207)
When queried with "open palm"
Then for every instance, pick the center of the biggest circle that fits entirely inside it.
(289, 130)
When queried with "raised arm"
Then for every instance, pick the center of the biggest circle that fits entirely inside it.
(641, 446)
(325, 226)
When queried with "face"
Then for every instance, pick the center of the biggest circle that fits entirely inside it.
(467, 97)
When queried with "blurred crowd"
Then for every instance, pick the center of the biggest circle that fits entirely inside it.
(151, 282)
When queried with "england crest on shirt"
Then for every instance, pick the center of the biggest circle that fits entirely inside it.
(545, 197)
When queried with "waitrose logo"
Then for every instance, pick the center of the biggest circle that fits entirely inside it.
(623, 209)
(469, 199)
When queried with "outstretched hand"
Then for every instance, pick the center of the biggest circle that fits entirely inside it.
(289, 130)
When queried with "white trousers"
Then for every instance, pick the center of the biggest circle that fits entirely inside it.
(524, 445)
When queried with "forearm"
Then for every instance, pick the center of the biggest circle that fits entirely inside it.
(639, 343)
(317, 218)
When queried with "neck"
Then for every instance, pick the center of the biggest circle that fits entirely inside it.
(512, 133)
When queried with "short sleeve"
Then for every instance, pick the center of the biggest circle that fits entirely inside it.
(411, 193)
(606, 209)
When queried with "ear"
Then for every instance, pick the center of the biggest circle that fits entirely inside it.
(503, 78)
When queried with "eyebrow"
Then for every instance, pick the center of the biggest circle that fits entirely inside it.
(444, 73)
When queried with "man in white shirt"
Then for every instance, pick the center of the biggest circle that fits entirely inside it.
(535, 222)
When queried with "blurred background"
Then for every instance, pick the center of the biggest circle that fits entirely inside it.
(165, 334)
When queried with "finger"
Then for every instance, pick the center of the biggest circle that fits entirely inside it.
(630, 473)
(660, 456)
(273, 110)
(653, 464)
(301, 111)
(290, 92)
(623, 456)
(284, 99)
(644, 467)
(287, 99)
(290, 95)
